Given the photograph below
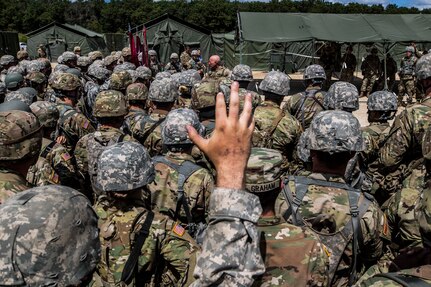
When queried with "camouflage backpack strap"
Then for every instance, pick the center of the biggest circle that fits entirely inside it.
(47, 149)
(267, 132)
(130, 267)
(153, 127)
(310, 94)
(404, 280)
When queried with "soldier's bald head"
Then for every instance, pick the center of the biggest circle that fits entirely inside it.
(214, 61)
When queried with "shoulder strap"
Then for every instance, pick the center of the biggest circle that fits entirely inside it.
(47, 149)
(404, 280)
(270, 130)
(131, 263)
(308, 94)
(150, 130)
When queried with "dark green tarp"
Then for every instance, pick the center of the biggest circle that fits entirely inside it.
(58, 38)
(115, 41)
(168, 34)
(9, 43)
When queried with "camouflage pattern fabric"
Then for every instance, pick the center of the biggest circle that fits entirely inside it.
(152, 140)
(314, 72)
(304, 106)
(119, 81)
(174, 130)
(197, 188)
(327, 211)
(155, 68)
(45, 231)
(19, 96)
(241, 73)
(46, 113)
(185, 59)
(99, 73)
(11, 183)
(224, 86)
(204, 94)
(230, 253)
(135, 115)
(220, 73)
(407, 87)
(69, 56)
(347, 73)
(276, 82)
(423, 67)
(137, 92)
(198, 66)
(382, 101)
(83, 61)
(162, 75)
(6, 60)
(143, 73)
(163, 90)
(66, 82)
(422, 272)
(35, 66)
(110, 103)
(342, 96)
(126, 66)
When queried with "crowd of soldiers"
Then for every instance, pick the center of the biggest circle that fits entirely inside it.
(117, 175)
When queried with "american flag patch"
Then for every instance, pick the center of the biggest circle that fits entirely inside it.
(66, 156)
(85, 124)
(54, 177)
(178, 229)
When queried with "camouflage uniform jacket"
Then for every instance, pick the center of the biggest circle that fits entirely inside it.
(293, 255)
(184, 102)
(304, 106)
(54, 166)
(155, 68)
(404, 141)
(167, 247)
(326, 210)
(219, 73)
(185, 59)
(11, 183)
(421, 272)
(407, 67)
(284, 137)
(73, 125)
(198, 66)
(197, 188)
(148, 132)
(130, 120)
(230, 254)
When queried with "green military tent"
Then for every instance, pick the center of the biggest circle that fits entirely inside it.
(58, 38)
(168, 34)
(115, 41)
(9, 43)
(281, 40)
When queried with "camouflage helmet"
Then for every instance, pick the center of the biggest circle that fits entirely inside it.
(60, 60)
(61, 67)
(95, 55)
(20, 96)
(382, 101)
(74, 71)
(84, 61)
(301, 150)
(195, 53)
(342, 96)
(110, 103)
(334, 132)
(410, 49)
(69, 56)
(98, 72)
(50, 237)
(189, 78)
(163, 90)
(242, 73)
(36, 77)
(120, 80)
(22, 54)
(204, 94)
(423, 67)
(162, 75)
(6, 60)
(14, 106)
(152, 53)
(426, 144)
(35, 66)
(109, 60)
(124, 67)
(126, 52)
(276, 83)
(124, 167)
(24, 64)
(143, 72)
(314, 72)
(20, 135)
(264, 170)
(174, 56)
(46, 112)
(17, 69)
(45, 62)
(174, 131)
(77, 49)
(137, 92)
(13, 80)
(3, 89)
(31, 92)
(66, 82)
(423, 216)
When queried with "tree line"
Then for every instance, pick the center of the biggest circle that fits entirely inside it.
(116, 15)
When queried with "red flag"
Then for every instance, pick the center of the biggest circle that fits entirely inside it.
(138, 50)
(132, 46)
(145, 48)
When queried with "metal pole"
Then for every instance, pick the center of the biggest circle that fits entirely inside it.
(385, 47)
(240, 37)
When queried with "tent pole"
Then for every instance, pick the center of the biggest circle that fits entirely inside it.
(239, 36)
(313, 60)
(385, 71)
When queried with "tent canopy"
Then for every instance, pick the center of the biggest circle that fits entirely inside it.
(349, 28)
(58, 38)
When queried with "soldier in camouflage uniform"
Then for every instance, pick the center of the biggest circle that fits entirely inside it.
(49, 238)
(401, 154)
(54, 165)
(407, 85)
(109, 110)
(20, 143)
(196, 64)
(185, 58)
(38, 81)
(348, 222)
(6, 61)
(216, 70)
(181, 188)
(110, 62)
(154, 64)
(137, 95)
(166, 252)
(187, 80)
(72, 124)
(173, 66)
(342, 96)
(370, 68)
(349, 65)
(148, 131)
(69, 59)
(119, 81)
(143, 75)
(294, 256)
(20, 96)
(126, 55)
(304, 106)
(274, 127)
(83, 63)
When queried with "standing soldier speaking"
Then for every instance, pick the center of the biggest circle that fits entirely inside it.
(407, 83)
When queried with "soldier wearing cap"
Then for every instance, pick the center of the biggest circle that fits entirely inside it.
(109, 109)
(304, 106)
(370, 68)
(293, 255)
(20, 143)
(196, 64)
(407, 85)
(274, 127)
(49, 238)
(154, 64)
(54, 165)
(174, 65)
(72, 124)
(164, 252)
(181, 188)
(163, 94)
(348, 222)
